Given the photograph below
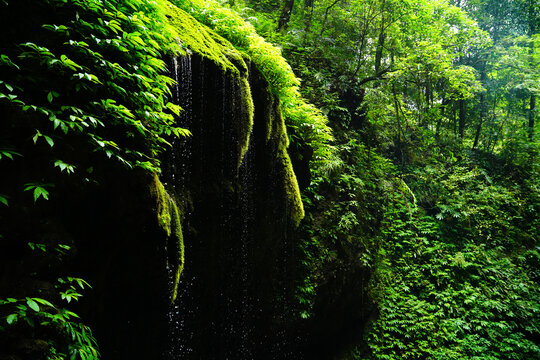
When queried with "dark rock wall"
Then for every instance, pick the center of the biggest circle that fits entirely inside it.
(238, 199)
(235, 288)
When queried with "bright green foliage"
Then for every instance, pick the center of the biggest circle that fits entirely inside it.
(80, 82)
(344, 206)
(38, 190)
(107, 53)
(452, 250)
(450, 236)
(42, 316)
(459, 284)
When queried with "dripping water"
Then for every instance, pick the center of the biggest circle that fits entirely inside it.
(220, 302)
(178, 178)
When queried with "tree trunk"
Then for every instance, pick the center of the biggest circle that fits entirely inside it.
(532, 113)
(454, 127)
(328, 8)
(478, 131)
(462, 114)
(380, 46)
(482, 108)
(532, 31)
(285, 15)
(308, 4)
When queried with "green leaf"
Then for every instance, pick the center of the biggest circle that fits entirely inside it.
(3, 199)
(36, 137)
(39, 191)
(32, 304)
(49, 140)
(9, 153)
(11, 318)
(43, 302)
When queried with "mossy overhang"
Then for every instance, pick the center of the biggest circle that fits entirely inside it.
(200, 39)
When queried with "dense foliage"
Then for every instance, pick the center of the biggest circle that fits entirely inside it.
(421, 234)
(80, 82)
(434, 186)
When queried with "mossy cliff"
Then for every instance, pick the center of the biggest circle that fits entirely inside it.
(198, 39)
(204, 42)
(240, 202)
(119, 216)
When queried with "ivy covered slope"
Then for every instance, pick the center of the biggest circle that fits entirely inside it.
(84, 94)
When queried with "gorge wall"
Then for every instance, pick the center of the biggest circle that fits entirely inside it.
(221, 213)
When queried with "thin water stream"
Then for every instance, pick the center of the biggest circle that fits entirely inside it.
(232, 293)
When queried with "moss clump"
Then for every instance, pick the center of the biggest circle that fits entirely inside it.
(201, 40)
(245, 125)
(295, 207)
(168, 217)
(276, 136)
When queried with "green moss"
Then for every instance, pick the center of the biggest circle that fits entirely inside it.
(276, 134)
(295, 207)
(205, 42)
(175, 247)
(163, 209)
(168, 217)
(201, 40)
(244, 126)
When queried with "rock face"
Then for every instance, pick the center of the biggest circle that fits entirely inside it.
(237, 211)
(234, 189)
(228, 194)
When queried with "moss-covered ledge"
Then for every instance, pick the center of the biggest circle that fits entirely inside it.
(201, 40)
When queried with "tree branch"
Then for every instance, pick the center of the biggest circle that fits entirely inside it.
(377, 76)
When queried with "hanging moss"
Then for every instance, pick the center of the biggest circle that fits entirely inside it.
(168, 217)
(245, 125)
(175, 248)
(276, 137)
(295, 206)
(278, 133)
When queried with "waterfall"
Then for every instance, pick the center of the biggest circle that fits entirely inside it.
(177, 176)
(228, 181)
